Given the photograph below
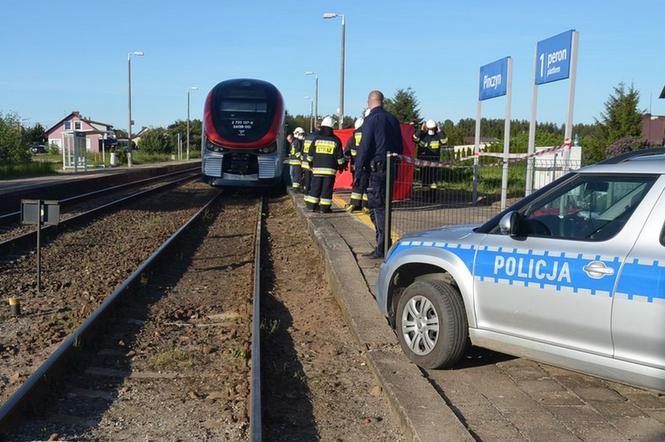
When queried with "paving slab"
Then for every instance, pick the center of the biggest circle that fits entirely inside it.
(489, 395)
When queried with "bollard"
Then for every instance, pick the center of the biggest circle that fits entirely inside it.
(14, 306)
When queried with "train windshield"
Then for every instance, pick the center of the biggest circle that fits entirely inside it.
(243, 112)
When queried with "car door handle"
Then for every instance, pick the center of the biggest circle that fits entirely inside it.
(597, 270)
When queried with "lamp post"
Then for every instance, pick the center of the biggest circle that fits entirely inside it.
(129, 101)
(329, 15)
(189, 90)
(316, 93)
(311, 113)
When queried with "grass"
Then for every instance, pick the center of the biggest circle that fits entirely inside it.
(460, 178)
(269, 326)
(239, 353)
(26, 170)
(170, 359)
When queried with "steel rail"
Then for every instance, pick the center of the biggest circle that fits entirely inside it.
(28, 239)
(13, 410)
(255, 421)
(8, 218)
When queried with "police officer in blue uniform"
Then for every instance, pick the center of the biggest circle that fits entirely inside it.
(381, 134)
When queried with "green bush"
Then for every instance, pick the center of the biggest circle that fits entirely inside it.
(12, 148)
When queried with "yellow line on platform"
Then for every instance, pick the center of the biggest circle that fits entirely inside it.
(363, 218)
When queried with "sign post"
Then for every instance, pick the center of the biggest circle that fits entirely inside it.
(40, 212)
(495, 80)
(555, 59)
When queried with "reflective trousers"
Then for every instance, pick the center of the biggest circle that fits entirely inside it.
(320, 193)
(359, 196)
(306, 179)
(296, 176)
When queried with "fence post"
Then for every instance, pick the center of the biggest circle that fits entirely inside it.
(387, 231)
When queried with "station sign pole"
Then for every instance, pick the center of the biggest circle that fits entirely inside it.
(495, 80)
(555, 59)
(531, 146)
(568, 135)
(506, 135)
(476, 153)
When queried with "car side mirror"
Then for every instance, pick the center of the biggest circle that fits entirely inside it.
(510, 224)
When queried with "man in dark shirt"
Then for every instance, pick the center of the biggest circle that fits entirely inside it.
(381, 134)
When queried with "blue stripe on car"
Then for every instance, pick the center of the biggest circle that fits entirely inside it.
(636, 279)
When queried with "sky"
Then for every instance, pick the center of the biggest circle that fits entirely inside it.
(59, 57)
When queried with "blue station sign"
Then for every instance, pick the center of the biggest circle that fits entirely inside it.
(493, 79)
(553, 56)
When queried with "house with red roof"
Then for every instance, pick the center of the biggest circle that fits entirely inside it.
(96, 131)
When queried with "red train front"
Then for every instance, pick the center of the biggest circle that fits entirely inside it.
(243, 135)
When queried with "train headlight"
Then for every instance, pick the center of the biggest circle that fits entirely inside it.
(268, 149)
(213, 147)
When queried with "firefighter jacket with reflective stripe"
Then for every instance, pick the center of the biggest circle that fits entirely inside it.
(429, 147)
(325, 154)
(295, 154)
(352, 145)
(305, 151)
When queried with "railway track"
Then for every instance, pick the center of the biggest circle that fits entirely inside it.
(25, 238)
(187, 287)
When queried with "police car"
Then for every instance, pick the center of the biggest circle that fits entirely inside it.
(572, 275)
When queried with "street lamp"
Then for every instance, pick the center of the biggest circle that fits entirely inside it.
(129, 94)
(189, 90)
(316, 93)
(330, 15)
(311, 113)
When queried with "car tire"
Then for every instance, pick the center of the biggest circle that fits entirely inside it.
(431, 324)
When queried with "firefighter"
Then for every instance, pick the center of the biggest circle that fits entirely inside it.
(381, 134)
(430, 142)
(358, 195)
(295, 157)
(325, 158)
(304, 163)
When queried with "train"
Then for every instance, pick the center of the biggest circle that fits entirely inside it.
(243, 142)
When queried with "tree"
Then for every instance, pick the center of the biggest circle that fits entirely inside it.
(404, 105)
(620, 119)
(155, 141)
(293, 121)
(35, 135)
(12, 148)
(180, 127)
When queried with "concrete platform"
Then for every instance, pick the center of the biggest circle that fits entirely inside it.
(68, 184)
(23, 184)
(489, 396)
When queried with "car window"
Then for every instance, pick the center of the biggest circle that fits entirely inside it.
(590, 207)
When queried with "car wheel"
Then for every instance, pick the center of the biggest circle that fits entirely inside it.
(431, 324)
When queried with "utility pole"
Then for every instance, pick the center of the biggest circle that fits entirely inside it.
(329, 15)
(129, 102)
(189, 90)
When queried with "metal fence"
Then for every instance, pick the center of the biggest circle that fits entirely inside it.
(427, 194)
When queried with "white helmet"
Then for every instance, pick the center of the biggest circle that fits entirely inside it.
(359, 122)
(431, 124)
(328, 122)
(298, 131)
